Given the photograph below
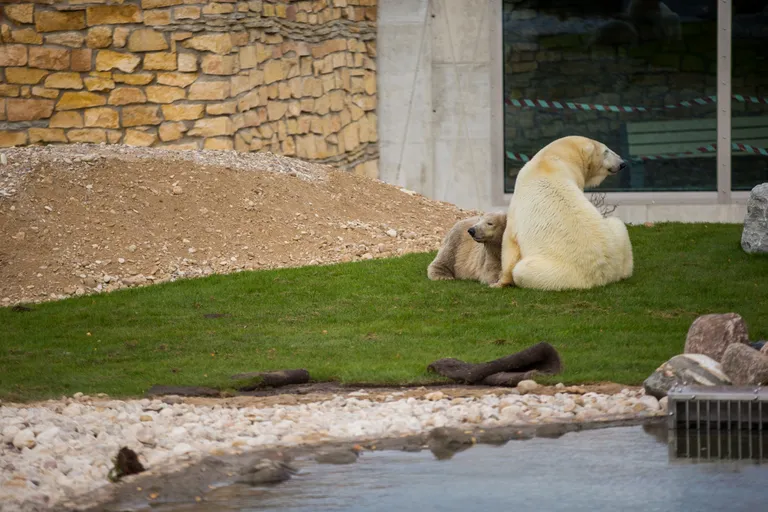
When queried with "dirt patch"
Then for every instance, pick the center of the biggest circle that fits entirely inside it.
(80, 219)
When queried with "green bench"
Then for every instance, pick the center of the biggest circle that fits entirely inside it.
(675, 138)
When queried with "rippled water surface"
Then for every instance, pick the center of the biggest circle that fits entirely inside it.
(615, 469)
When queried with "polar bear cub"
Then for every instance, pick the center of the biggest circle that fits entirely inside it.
(471, 250)
(555, 238)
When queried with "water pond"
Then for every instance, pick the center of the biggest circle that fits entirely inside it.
(619, 468)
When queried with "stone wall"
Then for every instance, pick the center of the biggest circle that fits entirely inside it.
(291, 77)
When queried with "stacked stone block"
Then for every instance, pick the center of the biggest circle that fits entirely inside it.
(292, 77)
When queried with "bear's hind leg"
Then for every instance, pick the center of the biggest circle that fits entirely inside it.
(439, 271)
(540, 273)
(622, 245)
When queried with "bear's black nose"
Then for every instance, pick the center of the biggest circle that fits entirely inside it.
(471, 231)
(622, 166)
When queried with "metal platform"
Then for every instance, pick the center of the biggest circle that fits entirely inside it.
(733, 407)
(718, 423)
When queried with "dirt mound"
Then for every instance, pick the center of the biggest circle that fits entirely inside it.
(79, 219)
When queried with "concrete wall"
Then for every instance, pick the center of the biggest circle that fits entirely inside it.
(434, 98)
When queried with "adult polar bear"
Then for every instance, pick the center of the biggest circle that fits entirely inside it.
(555, 238)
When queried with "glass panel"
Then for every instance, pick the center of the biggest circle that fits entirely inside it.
(639, 76)
(749, 123)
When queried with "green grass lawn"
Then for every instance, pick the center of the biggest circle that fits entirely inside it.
(380, 322)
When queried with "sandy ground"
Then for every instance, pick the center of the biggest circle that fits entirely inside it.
(81, 218)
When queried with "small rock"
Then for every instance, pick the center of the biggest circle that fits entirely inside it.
(685, 369)
(510, 413)
(135, 280)
(267, 471)
(131, 248)
(444, 442)
(712, 334)
(754, 237)
(745, 365)
(46, 437)
(126, 463)
(9, 432)
(182, 448)
(177, 190)
(649, 403)
(436, 395)
(342, 456)
(24, 439)
(391, 233)
(145, 418)
(146, 436)
(72, 410)
(526, 386)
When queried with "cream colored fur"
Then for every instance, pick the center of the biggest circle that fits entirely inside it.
(475, 256)
(564, 240)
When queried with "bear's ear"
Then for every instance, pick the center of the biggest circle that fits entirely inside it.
(587, 154)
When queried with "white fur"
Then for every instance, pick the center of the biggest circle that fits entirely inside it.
(555, 237)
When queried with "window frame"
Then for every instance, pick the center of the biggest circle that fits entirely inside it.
(723, 195)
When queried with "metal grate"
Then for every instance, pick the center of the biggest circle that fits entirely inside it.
(718, 422)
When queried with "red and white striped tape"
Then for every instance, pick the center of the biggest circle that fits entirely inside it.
(711, 148)
(570, 105)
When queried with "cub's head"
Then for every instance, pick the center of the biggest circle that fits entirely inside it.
(599, 162)
(489, 229)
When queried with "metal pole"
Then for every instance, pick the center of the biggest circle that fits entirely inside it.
(724, 20)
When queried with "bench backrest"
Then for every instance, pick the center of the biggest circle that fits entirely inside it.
(671, 137)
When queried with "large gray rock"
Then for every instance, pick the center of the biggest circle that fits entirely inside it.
(685, 369)
(745, 365)
(712, 334)
(754, 237)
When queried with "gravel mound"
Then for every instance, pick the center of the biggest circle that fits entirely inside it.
(81, 218)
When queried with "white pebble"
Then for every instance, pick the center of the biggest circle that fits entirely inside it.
(182, 448)
(9, 432)
(24, 439)
(526, 386)
(72, 410)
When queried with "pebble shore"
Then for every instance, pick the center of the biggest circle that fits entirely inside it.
(56, 451)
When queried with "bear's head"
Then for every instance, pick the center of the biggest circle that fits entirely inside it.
(489, 229)
(591, 161)
(600, 161)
